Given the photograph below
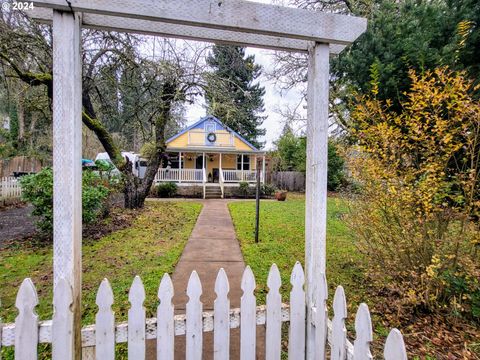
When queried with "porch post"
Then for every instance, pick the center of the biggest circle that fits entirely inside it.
(316, 196)
(220, 162)
(180, 173)
(67, 178)
(241, 166)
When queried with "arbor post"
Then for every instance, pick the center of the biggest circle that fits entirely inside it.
(67, 169)
(316, 194)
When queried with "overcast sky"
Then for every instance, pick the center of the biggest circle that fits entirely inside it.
(273, 98)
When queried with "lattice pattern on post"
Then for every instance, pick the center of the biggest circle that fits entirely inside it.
(27, 332)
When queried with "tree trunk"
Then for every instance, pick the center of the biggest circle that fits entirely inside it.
(21, 118)
(134, 195)
(136, 190)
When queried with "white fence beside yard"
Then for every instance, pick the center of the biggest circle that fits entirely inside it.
(100, 338)
(10, 188)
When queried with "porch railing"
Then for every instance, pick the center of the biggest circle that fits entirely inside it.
(10, 188)
(240, 175)
(98, 340)
(179, 175)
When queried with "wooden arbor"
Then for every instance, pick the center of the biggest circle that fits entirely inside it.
(236, 22)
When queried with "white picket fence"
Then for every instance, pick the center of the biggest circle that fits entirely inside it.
(28, 331)
(10, 188)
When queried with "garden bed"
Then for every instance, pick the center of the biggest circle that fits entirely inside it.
(282, 241)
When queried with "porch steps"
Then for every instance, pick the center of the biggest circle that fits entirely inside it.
(213, 191)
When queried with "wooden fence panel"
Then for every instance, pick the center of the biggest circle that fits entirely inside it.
(296, 340)
(136, 321)
(288, 180)
(165, 320)
(26, 323)
(273, 333)
(248, 325)
(221, 318)
(194, 327)
(105, 323)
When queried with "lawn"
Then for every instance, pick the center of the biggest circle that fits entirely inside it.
(282, 241)
(149, 248)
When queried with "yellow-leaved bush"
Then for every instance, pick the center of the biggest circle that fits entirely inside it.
(416, 216)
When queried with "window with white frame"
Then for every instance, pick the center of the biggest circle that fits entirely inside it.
(246, 162)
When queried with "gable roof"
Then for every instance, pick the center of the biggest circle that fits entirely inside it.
(211, 118)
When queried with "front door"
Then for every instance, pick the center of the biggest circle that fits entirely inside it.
(199, 162)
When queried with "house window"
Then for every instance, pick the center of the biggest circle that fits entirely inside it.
(174, 162)
(246, 162)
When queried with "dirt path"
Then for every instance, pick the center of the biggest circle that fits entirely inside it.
(211, 246)
(16, 223)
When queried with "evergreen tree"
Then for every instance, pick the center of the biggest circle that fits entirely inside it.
(410, 34)
(231, 94)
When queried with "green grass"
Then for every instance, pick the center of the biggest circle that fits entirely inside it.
(282, 241)
(149, 248)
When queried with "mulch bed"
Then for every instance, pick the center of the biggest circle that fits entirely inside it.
(437, 335)
(118, 219)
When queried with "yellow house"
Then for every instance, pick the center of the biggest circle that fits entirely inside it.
(210, 154)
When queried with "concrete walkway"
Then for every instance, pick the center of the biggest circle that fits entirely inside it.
(211, 246)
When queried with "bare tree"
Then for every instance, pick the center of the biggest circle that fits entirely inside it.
(164, 83)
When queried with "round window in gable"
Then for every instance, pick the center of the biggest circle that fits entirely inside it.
(212, 137)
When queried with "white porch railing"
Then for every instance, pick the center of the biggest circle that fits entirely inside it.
(179, 175)
(10, 188)
(240, 175)
(99, 339)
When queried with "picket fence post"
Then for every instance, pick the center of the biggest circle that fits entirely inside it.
(62, 321)
(339, 332)
(248, 324)
(221, 318)
(319, 319)
(394, 346)
(273, 332)
(296, 340)
(136, 320)
(194, 326)
(26, 323)
(105, 323)
(363, 333)
(165, 320)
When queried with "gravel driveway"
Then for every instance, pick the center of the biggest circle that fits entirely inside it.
(16, 223)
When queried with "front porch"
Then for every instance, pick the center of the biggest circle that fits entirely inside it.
(209, 168)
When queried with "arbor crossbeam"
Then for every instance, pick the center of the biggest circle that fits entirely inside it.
(237, 16)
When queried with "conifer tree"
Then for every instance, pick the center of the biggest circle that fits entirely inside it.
(232, 95)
